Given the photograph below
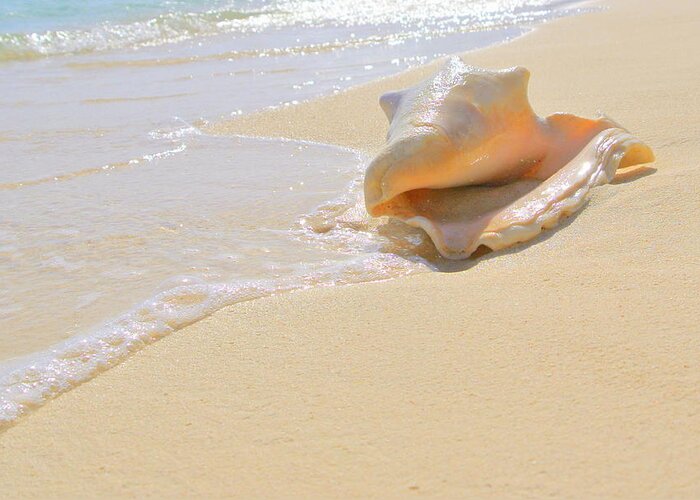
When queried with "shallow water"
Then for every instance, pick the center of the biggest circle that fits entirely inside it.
(160, 243)
(121, 221)
(90, 247)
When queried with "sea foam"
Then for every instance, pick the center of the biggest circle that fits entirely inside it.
(81, 32)
(186, 269)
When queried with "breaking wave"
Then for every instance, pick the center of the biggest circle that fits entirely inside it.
(178, 26)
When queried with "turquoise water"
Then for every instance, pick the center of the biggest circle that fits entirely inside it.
(35, 28)
(35, 16)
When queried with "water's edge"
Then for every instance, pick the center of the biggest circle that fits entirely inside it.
(29, 382)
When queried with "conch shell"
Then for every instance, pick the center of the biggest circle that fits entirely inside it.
(468, 160)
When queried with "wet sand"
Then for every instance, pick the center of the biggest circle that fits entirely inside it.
(566, 367)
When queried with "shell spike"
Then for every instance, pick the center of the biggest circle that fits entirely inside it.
(390, 103)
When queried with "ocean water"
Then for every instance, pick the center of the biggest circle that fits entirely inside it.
(122, 221)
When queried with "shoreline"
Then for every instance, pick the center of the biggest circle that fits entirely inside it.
(95, 301)
(29, 379)
(279, 122)
(586, 387)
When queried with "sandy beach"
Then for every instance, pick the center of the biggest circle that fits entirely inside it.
(567, 367)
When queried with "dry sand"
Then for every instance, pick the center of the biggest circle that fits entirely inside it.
(568, 367)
